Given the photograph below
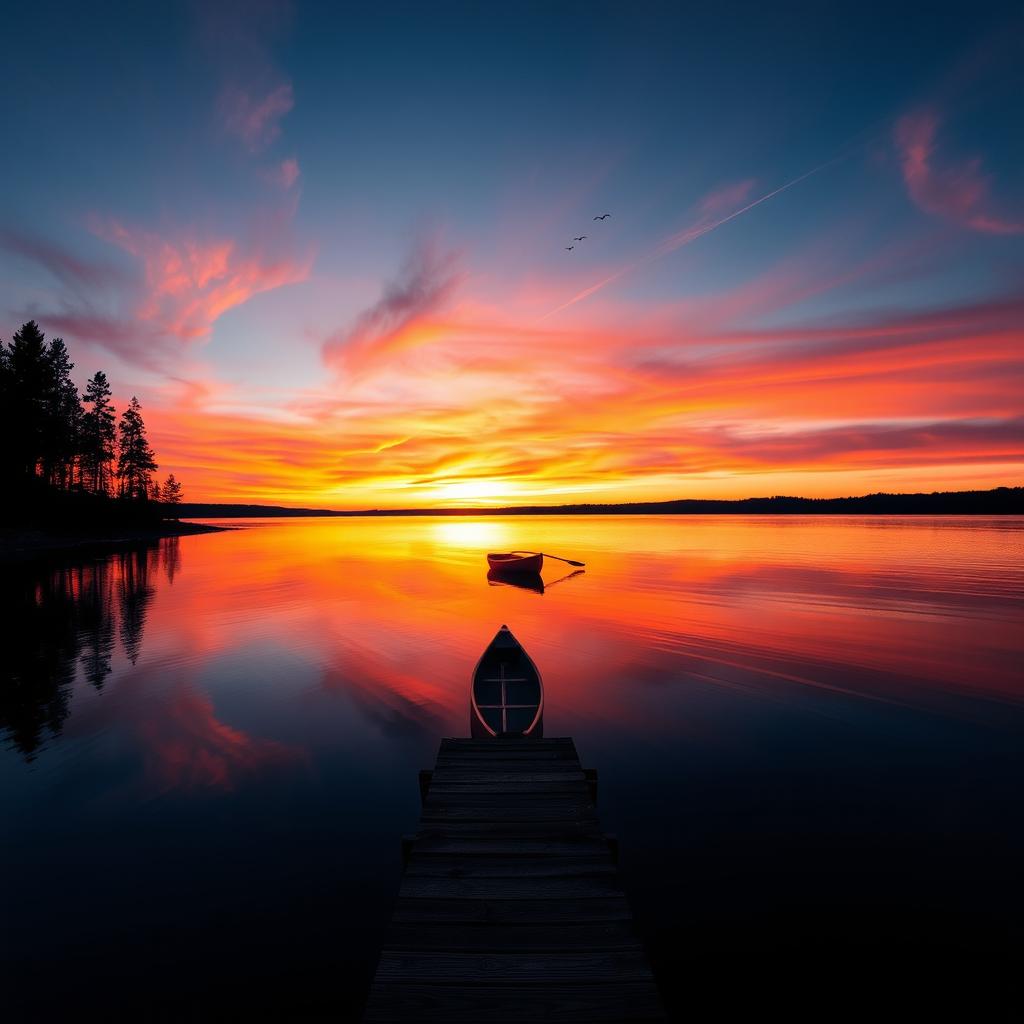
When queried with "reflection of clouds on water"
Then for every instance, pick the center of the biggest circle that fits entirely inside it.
(185, 746)
(392, 702)
(168, 735)
(64, 618)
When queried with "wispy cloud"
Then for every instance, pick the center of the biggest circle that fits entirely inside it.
(121, 337)
(182, 283)
(255, 119)
(960, 192)
(186, 747)
(64, 265)
(723, 200)
(285, 174)
(426, 283)
(192, 280)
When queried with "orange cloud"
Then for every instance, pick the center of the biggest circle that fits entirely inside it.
(472, 407)
(956, 192)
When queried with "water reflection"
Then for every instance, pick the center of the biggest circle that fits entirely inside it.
(532, 581)
(62, 621)
(387, 617)
(186, 747)
(836, 703)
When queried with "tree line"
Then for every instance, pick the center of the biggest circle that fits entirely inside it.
(54, 435)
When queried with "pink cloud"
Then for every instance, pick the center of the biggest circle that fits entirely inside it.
(957, 192)
(285, 174)
(253, 119)
(723, 200)
(193, 281)
(188, 747)
(186, 283)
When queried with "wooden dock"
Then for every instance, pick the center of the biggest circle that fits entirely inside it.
(510, 907)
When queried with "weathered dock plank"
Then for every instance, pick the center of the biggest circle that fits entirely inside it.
(494, 968)
(555, 1004)
(510, 906)
(461, 866)
(535, 936)
(537, 911)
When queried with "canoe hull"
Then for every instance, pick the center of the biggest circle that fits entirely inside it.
(512, 564)
(507, 694)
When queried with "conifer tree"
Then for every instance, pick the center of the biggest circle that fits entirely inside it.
(136, 461)
(48, 436)
(28, 376)
(170, 493)
(98, 433)
(7, 423)
(62, 417)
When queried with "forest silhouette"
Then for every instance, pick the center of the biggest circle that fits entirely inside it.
(65, 454)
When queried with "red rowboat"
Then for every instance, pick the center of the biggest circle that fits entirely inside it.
(515, 562)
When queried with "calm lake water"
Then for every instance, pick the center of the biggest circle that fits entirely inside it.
(809, 734)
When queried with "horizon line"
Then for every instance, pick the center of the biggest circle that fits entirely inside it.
(540, 509)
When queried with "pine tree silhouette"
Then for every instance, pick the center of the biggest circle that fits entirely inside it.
(98, 433)
(136, 461)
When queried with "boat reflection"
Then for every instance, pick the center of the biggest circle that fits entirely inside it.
(523, 580)
(532, 581)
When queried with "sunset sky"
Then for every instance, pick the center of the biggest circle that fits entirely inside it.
(326, 246)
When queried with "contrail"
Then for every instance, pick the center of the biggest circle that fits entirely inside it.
(685, 237)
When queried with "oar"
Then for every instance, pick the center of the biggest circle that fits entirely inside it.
(568, 561)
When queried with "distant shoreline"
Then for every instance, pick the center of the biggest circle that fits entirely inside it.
(1008, 501)
(23, 544)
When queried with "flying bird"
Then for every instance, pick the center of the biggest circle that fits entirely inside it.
(602, 217)
(580, 239)
(569, 248)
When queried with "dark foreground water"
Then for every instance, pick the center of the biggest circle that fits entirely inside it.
(809, 734)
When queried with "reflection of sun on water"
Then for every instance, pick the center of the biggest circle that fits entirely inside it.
(462, 533)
